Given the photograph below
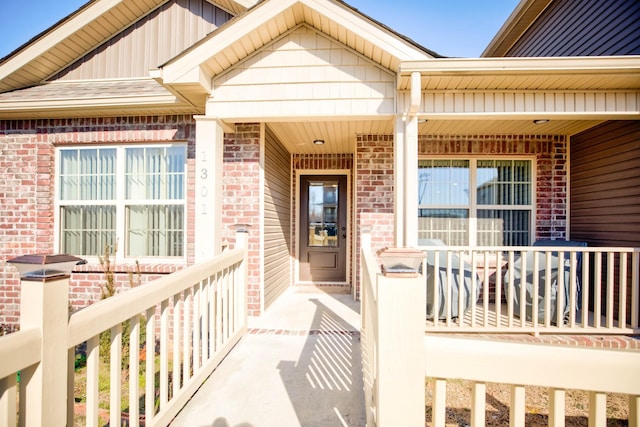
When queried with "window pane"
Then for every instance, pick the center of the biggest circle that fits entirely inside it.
(443, 183)
(449, 225)
(503, 182)
(323, 213)
(503, 227)
(155, 230)
(87, 229)
(87, 174)
(155, 173)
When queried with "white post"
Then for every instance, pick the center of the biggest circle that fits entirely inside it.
(209, 163)
(44, 305)
(411, 182)
(400, 385)
(399, 159)
(242, 241)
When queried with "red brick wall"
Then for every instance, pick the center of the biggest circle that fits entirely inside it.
(241, 199)
(27, 185)
(374, 192)
(550, 152)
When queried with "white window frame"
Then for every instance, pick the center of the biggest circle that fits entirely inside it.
(473, 206)
(121, 203)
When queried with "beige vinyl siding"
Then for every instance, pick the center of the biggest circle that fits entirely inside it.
(583, 28)
(304, 65)
(277, 218)
(150, 42)
(605, 185)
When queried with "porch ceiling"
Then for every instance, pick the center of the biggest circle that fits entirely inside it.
(340, 136)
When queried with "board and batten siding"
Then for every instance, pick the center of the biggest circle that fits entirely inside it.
(304, 74)
(583, 28)
(605, 185)
(150, 42)
(277, 218)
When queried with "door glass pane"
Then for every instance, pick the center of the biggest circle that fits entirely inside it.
(323, 214)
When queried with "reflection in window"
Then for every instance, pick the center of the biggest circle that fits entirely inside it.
(498, 213)
(323, 214)
(129, 194)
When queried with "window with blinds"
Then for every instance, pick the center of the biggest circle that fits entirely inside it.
(478, 202)
(129, 194)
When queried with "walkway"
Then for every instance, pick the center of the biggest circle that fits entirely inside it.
(298, 366)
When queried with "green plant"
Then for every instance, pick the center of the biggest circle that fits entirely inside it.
(108, 289)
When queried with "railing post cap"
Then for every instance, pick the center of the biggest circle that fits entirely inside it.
(241, 228)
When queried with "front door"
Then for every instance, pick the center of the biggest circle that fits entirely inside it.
(323, 228)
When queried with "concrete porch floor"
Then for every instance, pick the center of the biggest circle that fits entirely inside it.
(299, 365)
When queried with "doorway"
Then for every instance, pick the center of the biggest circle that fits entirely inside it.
(323, 228)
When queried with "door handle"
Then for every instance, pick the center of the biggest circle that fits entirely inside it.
(344, 236)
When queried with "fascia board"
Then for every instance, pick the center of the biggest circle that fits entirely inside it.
(184, 65)
(48, 41)
(363, 27)
(478, 66)
(522, 17)
(128, 101)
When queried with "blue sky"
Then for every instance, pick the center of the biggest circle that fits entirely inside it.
(461, 28)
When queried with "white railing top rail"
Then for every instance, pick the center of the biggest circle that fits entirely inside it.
(589, 249)
(19, 350)
(542, 365)
(103, 315)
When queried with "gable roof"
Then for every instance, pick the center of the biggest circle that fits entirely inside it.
(184, 82)
(82, 31)
(191, 73)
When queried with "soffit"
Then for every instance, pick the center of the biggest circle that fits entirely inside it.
(77, 34)
(340, 136)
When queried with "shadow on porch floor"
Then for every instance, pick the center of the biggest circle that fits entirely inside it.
(299, 365)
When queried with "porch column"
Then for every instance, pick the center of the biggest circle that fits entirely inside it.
(411, 182)
(398, 159)
(410, 164)
(208, 189)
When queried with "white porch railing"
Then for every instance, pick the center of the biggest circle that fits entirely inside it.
(579, 290)
(192, 319)
(481, 361)
(391, 343)
(394, 379)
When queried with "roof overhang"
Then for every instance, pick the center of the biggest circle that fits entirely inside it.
(191, 73)
(77, 34)
(92, 98)
(486, 95)
(557, 73)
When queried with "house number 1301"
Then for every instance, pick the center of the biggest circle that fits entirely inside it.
(204, 175)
